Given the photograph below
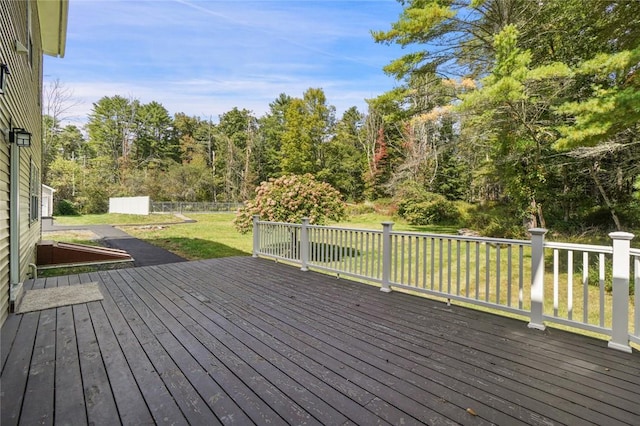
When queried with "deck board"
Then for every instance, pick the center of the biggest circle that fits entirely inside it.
(98, 394)
(126, 393)
(519, 359)
(181, 352)
(158, 399)
(252, 341)
(380, 374)
(192, 407)
(39, 394)
(15, 370)
(280, 356)
(69, 405)
(250, 350)
(387, 362)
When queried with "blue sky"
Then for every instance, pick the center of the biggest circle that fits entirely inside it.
(204, 57)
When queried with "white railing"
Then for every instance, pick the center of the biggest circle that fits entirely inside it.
(576, 285)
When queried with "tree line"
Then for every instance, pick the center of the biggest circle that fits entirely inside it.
(531, 106)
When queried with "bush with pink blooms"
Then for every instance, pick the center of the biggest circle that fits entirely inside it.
(289, 199)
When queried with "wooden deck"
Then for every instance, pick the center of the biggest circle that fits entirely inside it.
(244, 341)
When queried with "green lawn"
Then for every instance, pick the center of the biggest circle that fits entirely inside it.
(116, 219)
(213, 235)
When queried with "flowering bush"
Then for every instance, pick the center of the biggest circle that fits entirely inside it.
(289, 199)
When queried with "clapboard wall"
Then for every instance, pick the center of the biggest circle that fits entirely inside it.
(20, 106)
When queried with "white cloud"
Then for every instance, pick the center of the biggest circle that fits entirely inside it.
(204, 57)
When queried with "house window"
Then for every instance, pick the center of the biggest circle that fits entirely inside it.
(34, 193)
(29, 36)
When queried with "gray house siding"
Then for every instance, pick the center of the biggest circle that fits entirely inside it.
(20, 106)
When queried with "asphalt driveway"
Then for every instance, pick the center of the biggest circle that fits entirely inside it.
(143, 253)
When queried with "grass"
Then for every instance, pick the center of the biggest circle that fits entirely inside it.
(116, 219)
(81, 269)
(211, 236)
(374, 221)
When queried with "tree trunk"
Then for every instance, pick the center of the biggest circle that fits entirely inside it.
(543, 222)
(607, 201)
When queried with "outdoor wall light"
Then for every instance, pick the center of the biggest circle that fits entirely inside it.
(4, 72)
(21, 137)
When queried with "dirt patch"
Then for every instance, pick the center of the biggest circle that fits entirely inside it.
(74, 235)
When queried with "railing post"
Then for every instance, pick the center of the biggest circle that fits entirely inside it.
(620, 310)
(537, 278)
(304, 244)
(386, 256)
(256, 235)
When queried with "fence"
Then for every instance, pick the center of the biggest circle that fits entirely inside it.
(577, 285)
(129, 205)
(195, 207)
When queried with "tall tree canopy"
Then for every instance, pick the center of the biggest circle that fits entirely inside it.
(544, 92)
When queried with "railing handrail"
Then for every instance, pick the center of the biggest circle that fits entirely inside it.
(341, 228)
(291, 225)
(489, 273)
(472, 238)
(590, 248)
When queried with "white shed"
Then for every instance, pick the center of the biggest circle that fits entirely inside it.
(47, 201)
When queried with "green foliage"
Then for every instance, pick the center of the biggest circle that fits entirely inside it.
(289, 199)
(493, 220)
(110, 125)
(453, 177)
(65, 208)
(235, 140)
(419, 207)
(308, 122)
(422, 21)
(154, 140)
(96, 202)
(65, 176)
(343, 163)
(556, 76)
(268, 148)
(436, 210)
(613, 106)
(360, 208)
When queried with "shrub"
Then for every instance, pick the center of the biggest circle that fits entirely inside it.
(428, 210)
(93, 204)
(599, 217)
(498, 228)
(65, 208)
(289, 199)
(493, 220)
